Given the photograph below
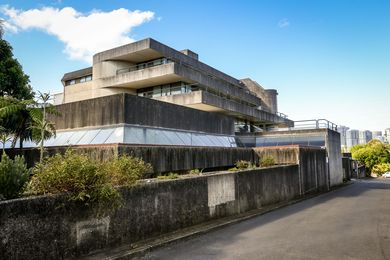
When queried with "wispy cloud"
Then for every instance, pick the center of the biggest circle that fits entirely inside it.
(284, 23)
(82, 34)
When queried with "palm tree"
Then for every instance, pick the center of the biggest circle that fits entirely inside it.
(27, 119)
(4, 137)
(16, 118)
(45, 128)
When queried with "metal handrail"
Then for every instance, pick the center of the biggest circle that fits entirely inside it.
(315, 123)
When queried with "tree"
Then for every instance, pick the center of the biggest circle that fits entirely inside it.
(373, 153)
(16, 118)
(27, 120)
(13, 81)
(45, 128)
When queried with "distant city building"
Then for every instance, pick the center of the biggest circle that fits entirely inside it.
(343, 135)
(387, 135)
(365, 136)
(352, 137)
(378, 136)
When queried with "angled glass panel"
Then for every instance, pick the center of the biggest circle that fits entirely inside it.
(61, 139)
(196, 140)
(173, 138)
(116, 136)
(209, 140)
(89, 136)
(221, 141)
(102, 136)
(185, 137)
(75, 138)
(161, 137)
(134, 135)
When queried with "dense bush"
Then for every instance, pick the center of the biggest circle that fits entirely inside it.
(267, 161)
(371, 154)
(126, 170)
(13, 176)
(381, 168)
(84, 179)
(242, 164)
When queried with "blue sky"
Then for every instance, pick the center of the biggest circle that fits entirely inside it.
(327, 59)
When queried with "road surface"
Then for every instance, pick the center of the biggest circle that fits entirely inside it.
(352, 222)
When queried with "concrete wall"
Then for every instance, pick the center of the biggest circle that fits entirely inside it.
(327, 138)
(51, 228)
(333, 148)
(312, 164)
(162, 158)
(130, 109)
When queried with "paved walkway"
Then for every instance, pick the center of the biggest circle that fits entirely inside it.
(350, 223)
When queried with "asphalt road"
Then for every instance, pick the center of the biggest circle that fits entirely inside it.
(349, 223)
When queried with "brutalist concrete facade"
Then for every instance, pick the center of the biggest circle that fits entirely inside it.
(151, 69)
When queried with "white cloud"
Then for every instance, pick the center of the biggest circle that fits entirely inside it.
(82, 34)
(284, 23)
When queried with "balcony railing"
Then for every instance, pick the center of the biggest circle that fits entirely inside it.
(144, 65)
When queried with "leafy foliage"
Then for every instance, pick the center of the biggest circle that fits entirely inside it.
(381, 168)
(13, 81)
(371, 154)
(86, 180)
(267, 161)
(126, 170)
(25, 120)
(242, 164)
(13, 176)
(170, 176)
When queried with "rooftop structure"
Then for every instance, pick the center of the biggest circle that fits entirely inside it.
(150, 69)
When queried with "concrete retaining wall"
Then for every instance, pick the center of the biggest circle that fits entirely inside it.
(51, 228)
(163, 158)
(312, 164)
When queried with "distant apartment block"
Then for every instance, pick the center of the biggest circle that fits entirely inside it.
(343, 135)
(352, 137)
(150, 69)
(387, 135)
(365, 136)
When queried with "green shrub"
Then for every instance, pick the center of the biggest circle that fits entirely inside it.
(170, 176)
(267, 161)
(75, 174)
(13, 176)
(194, 172)
(126, 170)
(381, 168)
(234, 169)
(86, 180)
(241, 164)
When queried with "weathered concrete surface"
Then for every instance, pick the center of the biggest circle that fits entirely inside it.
(162, 158)
(333, 148)
(130, 109)
(198, 99)
(314, 137)
(50, 228)
(313, 171)
(349, 223)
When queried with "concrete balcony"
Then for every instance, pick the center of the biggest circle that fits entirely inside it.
(205, 101)
(173, 72)
(136, 79)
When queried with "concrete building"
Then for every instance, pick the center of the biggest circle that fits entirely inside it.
(378, 136)
(352, 137)
(150, 69)
(365, 136)
(343, 135)
(387, 135)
